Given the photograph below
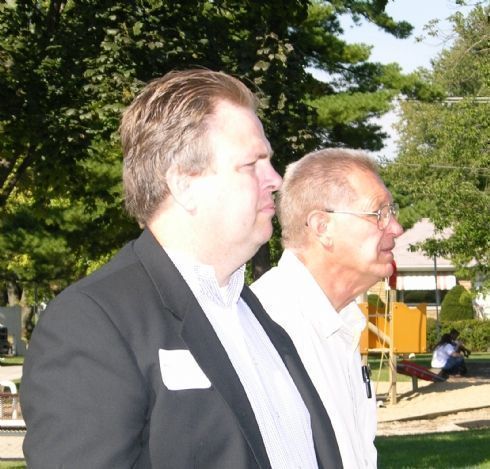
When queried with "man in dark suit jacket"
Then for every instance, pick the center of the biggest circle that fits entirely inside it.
(163, 358)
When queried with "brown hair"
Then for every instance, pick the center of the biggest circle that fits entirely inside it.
(166, 125)
(317, 181)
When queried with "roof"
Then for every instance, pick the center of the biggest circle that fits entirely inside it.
(407, 260)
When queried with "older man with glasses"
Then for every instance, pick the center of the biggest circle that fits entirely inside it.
(339, 226)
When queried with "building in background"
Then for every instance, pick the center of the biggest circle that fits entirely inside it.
(417, 273)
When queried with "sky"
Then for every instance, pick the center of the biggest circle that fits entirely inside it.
(409, 53)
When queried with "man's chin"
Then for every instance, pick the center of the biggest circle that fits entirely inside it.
(383, 271)
(262, 238)
(266, 232)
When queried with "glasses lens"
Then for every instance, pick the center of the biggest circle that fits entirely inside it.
(395, 211)
(385, 215)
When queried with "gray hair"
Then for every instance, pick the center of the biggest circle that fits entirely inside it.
(314, 182)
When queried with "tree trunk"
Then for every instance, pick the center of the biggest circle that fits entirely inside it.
(27, 317)
(14, 293)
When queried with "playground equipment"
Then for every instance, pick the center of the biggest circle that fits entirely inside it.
(395, 329)
(415, 371)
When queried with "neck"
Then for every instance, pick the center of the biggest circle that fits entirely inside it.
(175, 233)
(337, 286)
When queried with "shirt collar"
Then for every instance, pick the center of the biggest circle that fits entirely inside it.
(201, 279)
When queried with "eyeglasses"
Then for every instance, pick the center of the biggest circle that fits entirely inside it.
(383, 215)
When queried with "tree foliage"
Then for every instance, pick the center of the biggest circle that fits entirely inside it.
(457, 305)
(444, 160)
(474, 333)
(68, 68)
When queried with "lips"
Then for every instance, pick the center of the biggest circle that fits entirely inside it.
(388, 251)
(269, 207)
(269, 210)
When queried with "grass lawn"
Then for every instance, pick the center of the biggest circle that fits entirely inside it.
(11, 361)
(468, 449)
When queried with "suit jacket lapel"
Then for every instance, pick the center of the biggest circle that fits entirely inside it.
(213, 359)
(326, 447)
(201, 339)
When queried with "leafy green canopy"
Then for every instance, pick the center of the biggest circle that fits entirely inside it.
(68, 68)
(443, 168)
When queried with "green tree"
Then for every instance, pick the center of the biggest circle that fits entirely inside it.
(68, 67)
(457, 305)
(444, 156)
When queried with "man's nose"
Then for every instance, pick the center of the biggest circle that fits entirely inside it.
(395, 228)
(274, 180)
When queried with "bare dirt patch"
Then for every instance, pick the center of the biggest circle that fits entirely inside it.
(458, 404)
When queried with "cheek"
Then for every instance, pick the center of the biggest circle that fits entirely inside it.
(369, 250)
(250, 197)
(368, 247)
(240, 210)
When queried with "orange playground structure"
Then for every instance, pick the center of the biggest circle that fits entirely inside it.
(406, 325)
(394, 329)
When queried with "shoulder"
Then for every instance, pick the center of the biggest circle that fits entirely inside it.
(269, 280)
(277, 278)
(131, 275)
(449, 348)
(111, 278)
(277, 298)
(119, 291)
(272, 289)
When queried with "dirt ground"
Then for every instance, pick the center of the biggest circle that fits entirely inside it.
(458, 404)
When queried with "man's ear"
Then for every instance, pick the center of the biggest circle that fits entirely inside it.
(320, 225)
(180, 186)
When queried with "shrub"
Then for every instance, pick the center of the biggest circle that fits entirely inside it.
(474, 333)
(375, 301)
(432, 336)
(457, 305)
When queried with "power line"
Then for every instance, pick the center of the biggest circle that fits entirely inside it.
(439, 166)
(452, 100)
(476, 99)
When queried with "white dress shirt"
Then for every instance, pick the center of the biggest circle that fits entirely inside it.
(328, 344)
(282, 417)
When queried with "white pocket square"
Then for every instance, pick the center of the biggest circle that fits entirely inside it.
(180, 370)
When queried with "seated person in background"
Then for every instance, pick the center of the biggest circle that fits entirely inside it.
(454, 333)
(447, 358)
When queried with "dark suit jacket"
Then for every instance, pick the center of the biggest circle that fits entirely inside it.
(92, 393)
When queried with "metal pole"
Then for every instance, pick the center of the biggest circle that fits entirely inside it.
(392, 354)
(438, 299)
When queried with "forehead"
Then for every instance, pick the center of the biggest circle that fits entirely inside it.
(232, 125)
(370, 189)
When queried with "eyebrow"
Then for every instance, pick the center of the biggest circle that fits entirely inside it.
(263, 155)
